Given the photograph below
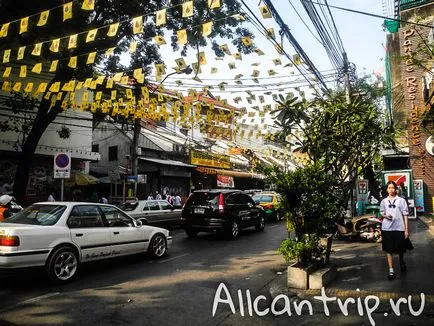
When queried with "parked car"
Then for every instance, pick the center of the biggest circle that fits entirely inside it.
(60, 236)
(153, 212)
(226, 211)
(271, 204)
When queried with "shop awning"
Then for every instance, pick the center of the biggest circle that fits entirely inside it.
(231, 173)
(166, 162)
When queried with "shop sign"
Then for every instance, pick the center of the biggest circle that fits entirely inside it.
(362, 195)
(418, 195)
(225, 181)
(211, 160)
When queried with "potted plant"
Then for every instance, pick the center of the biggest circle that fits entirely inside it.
(312, 204)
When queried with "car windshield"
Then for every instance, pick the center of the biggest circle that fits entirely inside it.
(203, 198)
(128, 207)
(38, 215)
(262, 198)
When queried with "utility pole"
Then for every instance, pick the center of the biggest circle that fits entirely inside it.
(136, 134)
(346, 73)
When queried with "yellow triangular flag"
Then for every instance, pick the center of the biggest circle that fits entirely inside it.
(43, 17)
(259, 51)
(100, 80)
(7, 72)
(297, 59)
(109, 51)
(270, 33)
(265, 11)
(271, 72)
(37, 68)
(90, 37)
(55, 87)
(67, 11)
(113, 94)
(247, 41)
(53, 66)
(17, 87)
(72, 62)
(24, 24)
(225, 49)
(133, 47)
(6, 87)
(37, 49)
(237, 56)
(277, 62)
(278, 49)
(72, 41)
(54, 47)
(196, 68)
(137, 25)
(182, 36)
(88, 5)
(113, 29)
(160, 17)
(207, 29)
(160, 39)
(4, 30)
(91, 58)
(187, 9)
(201, 58)
(42, 88)
(231, 65)
(181, 63)
(117, 77)
(213, 70)
(124, 80)
(87, 82)
(21, 51)
(212, 4)
(109, 83)
(255, 73)
(137, 73)
(159, 69)
(29, 87)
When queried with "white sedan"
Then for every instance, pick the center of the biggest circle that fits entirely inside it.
(61, 235)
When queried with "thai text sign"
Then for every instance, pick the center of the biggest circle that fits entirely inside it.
(212, 160)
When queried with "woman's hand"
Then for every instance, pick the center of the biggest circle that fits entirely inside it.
(406, 234)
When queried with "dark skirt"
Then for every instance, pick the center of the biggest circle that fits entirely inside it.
(393, 242)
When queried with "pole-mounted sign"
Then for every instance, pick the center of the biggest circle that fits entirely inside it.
(62, 166)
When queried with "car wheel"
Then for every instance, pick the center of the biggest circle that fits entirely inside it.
(234, 230)
(191, 233)
(62, 265)
(158, 246)
(261, 224)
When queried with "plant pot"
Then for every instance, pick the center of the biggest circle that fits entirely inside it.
(327, 241)
(298, 277)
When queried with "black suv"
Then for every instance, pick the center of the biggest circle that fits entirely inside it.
(223, 211)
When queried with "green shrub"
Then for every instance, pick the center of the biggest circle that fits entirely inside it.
(305, 250)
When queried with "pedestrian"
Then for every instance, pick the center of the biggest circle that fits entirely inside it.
(171, 199)
(103, 200)
(150, 197)
(51, 197)
(157, 196)
(5, 207)
(394, 228)
(178, 202)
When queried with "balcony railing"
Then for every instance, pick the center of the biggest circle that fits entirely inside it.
(407, 4)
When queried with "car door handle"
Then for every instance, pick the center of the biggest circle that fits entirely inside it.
(116, 232)
(79, 234)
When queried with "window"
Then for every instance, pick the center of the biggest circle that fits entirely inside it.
(38, 215)
(95, 148)
(85, 217)
(165, 205)
(263, 198)
(145, 207)
(129, 206)
(153, 206)
(115, 217)
(113, 153)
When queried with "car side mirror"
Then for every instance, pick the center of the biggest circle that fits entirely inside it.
(139, 223)
(250, 204)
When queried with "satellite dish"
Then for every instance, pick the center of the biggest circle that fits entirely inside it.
(429, 145)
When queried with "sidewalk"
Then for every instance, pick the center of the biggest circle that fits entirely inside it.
(362, 272)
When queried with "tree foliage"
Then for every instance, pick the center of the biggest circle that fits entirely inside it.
(342, 137)
(106, 12)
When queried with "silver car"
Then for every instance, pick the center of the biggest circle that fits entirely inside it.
(153, 212)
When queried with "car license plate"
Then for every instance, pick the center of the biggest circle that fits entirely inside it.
(199, 210)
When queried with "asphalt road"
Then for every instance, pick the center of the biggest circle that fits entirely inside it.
(178, 289)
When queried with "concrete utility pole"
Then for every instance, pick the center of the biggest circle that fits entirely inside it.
(346, 73)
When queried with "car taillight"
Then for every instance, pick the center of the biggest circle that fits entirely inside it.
(269, 206)
(221, 204)
(9, 241)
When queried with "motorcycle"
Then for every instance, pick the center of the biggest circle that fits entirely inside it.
(366, 227)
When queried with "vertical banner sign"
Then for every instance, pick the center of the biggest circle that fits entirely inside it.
(62, 166)
(362, 196)
(418, 195)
